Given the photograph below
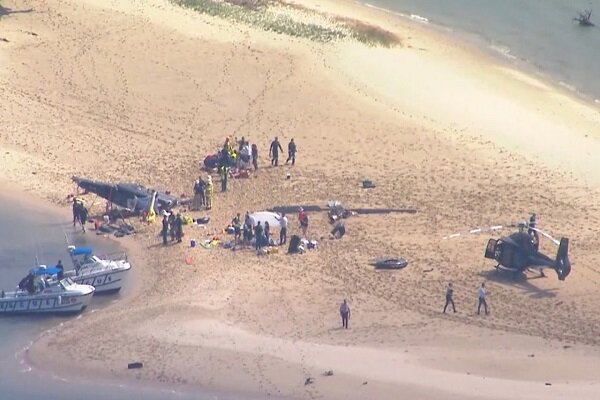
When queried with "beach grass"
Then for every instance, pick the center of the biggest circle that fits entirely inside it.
(292, 20)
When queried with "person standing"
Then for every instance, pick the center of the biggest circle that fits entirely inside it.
(165, 229)
(283, 232)
(345, 313)
(481, 294)
(258, 233)
(274, 151)
(61, 270)
(210, 190)
(291, 152)
(83, 216)
(303, 219)
(224, 172)
(267, 233)
(179, 228)
(75, 211)
(236, 222)
(172, 226)
(255, 156)
(449, 297)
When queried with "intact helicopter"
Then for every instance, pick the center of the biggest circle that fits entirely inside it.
(520, 252)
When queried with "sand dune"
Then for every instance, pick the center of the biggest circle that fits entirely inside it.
(143, 90)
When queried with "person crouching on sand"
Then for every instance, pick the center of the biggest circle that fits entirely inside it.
(449, 299)
(345, 313)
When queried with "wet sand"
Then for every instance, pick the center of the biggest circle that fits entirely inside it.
(436, 124)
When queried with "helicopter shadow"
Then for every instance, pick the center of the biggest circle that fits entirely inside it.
(521, 281)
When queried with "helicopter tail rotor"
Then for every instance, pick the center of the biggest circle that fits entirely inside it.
(562, 265)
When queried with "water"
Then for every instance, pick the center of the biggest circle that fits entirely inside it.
(541, 34)
(25, 233)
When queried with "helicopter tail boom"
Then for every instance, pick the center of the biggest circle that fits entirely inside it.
(562, 265)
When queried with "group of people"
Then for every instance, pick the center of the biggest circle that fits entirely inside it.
(172, 225)
(80, 213)
(203, 193)
(246, 232)
(481, 299)
(276, 147)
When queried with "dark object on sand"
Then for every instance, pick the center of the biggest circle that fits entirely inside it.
(211, 162)
(367, 184)
(202, 221)
(294, 244)
(214, 161)
(520, 251)
(338, 230)
(389, 263)
(584, 18)
(134, 365)
(328, 373)
(130, 196)
(308, 381)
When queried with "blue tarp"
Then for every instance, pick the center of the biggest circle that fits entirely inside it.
(81, 250)
(46, 271)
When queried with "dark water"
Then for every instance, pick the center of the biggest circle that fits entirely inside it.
(538, 33)
(24, 235)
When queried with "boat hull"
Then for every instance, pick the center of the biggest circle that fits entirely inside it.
(104, 282)
(50, 304)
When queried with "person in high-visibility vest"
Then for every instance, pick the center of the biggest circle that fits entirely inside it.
(224, 175)
(210, 190)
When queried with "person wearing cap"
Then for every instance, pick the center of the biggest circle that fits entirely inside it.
(210, 190)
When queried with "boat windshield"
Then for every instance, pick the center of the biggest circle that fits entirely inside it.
(66, 282)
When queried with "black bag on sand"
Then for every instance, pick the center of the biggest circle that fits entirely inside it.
(294, 244)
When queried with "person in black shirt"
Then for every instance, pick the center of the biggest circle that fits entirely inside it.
(449, 299)
(258, 233)
(255, 156)
(291, 152)
(274, 152)
(165, 229)
(61, 270)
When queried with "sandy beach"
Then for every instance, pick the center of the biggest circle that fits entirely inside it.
(132, 90)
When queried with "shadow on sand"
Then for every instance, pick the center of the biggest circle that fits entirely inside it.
(521, 281)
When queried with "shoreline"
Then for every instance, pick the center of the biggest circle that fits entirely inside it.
(501, 53)
(215, 309)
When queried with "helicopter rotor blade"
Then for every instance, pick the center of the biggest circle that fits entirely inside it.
(476, 231)
(541, 232)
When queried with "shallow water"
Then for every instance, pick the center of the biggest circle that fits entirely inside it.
(24, 235)
(539, 34)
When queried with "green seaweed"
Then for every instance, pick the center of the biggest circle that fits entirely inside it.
(256, 13)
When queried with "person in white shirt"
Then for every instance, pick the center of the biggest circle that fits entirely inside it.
(283, 222)
(481, 293)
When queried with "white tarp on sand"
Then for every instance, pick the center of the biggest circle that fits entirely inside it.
(266, 216)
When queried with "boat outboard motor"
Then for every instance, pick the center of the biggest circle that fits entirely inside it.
(562, 265)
